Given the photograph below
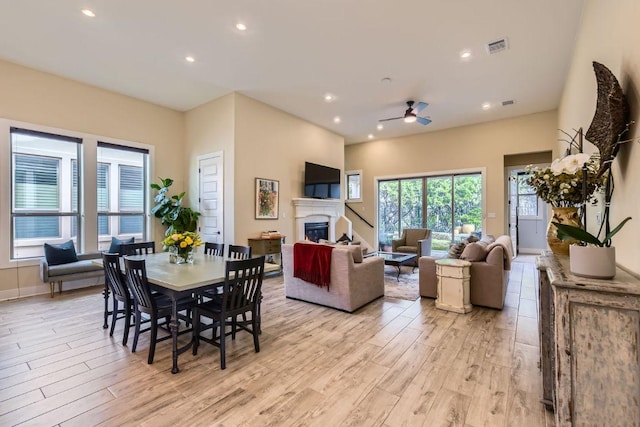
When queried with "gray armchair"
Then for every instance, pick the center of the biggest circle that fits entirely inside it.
(413, 241)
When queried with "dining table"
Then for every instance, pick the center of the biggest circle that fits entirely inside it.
(179, 280)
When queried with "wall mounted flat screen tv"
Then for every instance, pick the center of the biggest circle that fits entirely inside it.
(321, 182)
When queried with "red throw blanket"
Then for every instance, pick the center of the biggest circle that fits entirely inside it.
(312, 263)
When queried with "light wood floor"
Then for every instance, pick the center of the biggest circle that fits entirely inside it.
(393, 363)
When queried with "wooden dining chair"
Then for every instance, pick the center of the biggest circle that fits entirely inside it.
(156, 306)
(241, 294)
(216, 249)
(239, 252)
(116, 282)
(140, 248)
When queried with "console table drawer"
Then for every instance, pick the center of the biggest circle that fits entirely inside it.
(265, 246)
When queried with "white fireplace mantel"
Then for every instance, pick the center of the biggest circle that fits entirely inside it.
(316, 210)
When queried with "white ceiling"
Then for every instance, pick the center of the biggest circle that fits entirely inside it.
(295, 51)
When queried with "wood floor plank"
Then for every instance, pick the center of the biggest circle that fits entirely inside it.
(391, 363)
(372, 410)
(488, 406)
(72, 409)
(20, 401)
(448, 409)
(400, 375)
(417, 399)
(390, 331)
(22, 384)
(390, 353)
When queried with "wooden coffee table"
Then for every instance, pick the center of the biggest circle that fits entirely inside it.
(396, 259)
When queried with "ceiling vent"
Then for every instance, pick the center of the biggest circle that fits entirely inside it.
(509, 102)
(497, 46)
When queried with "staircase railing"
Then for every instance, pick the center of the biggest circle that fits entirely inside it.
(358, 215)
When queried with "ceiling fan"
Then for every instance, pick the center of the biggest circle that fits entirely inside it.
(411, 115)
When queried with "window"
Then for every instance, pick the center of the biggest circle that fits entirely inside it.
(354, 186)
(527, 199)
(452, 203)
(49, 189)
(44, 191)
(122, 192)
(103, 198)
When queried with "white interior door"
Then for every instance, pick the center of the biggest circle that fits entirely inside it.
(210, 197)
(513, 210)
(527, 215)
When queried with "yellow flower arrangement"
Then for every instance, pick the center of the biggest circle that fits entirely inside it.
(182, 243)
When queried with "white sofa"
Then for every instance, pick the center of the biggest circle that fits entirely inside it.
(354, 281)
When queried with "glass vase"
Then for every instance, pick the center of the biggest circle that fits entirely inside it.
(567, 216)
(180, 255)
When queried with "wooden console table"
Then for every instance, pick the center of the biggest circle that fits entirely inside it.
(261, 246)
(589, 344)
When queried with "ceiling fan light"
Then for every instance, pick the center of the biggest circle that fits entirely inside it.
(410, 118)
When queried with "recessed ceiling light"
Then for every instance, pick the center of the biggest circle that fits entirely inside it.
(240, 26)
(336, 119)
(189, 59)
(88, 12)
(465, 54)
(370, 136)
(486, 106)
(328, 97)
(380, 126)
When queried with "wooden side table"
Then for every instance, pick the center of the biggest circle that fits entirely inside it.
(453, 285)
(261, 246)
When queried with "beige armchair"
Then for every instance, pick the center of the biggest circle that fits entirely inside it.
(413, 241)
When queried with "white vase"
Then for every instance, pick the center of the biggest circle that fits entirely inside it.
(593, 261)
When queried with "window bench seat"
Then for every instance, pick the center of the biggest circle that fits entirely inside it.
(84, 268)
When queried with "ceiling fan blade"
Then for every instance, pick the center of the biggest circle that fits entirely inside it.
(423, 120)
(392, 118)
(420, 106)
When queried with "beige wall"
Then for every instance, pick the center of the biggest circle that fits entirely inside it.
(464, 148)
(610, 35)
(44, 99)
(273, 144)
(258, 141)
(209, 129)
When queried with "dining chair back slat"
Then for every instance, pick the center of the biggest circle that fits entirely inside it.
(215, 249)
(140, 248)
(116, 282)
(239, 252)
(136, 274)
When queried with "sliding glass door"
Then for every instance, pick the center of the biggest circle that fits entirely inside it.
(449, 205)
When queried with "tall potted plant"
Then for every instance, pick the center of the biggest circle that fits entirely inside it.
(176, 217)
(593, 257)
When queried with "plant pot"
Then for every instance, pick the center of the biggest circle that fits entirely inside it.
(592, 261)
(568, 216)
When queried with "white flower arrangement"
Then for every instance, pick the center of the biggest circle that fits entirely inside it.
(560, 184)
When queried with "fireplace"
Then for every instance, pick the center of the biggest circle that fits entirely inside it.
(316, 210)
(315, 231)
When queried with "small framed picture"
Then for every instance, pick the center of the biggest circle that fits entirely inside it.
(267, 195)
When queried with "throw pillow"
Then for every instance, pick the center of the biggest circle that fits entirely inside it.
(356, 251)
(488, 238)
(60, 254)
(456, 249)
(474, 252)
(471, 239)
(115, 244)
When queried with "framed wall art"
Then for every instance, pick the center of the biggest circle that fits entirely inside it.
(267, 195)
